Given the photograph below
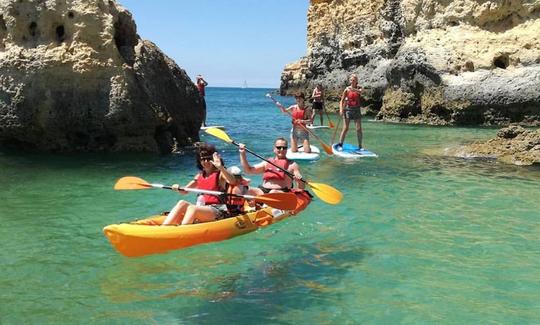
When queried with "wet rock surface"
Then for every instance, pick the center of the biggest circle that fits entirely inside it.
(513, 144)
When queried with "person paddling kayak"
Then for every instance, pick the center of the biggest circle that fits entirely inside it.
(212, 176)
(274, 179)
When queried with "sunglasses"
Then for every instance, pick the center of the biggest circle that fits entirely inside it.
(207, 158)
(281, 147)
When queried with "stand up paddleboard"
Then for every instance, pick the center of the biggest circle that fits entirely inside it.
(301, 155)
(350, 151)
(315, 127)
(212, 126)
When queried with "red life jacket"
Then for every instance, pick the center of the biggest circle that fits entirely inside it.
(353, 98)
(211, 183)
(272, 172)
(297, 114)
(200, 86)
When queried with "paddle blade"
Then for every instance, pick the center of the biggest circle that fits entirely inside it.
(282, 201)
(131, 183)
(327, 149)
(218, 133)
(326, 193)
(330, 124)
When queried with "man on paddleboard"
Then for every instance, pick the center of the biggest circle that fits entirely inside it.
(274, 179)
(201, 85)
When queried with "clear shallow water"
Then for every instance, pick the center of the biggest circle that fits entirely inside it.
(418, 239)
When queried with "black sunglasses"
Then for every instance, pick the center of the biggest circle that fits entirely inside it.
(281, 147)
(207, 158)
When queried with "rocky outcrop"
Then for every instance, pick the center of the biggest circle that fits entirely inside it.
(514, 145)
(456, 62)
(75, 76)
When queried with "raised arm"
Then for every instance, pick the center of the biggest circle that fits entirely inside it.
(248, 169)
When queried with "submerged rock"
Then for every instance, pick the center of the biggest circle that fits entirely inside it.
(465, 62)
(75, 76)
(514, 144)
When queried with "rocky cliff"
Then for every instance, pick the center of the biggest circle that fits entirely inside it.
(424, 61)
(75, 76)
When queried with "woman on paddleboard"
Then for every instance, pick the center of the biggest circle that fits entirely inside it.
(301, 117)
(212, 176)
(318, 102)
(349, 109)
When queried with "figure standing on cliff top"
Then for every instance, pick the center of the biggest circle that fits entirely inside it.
(318, 102)
(349, 109)
(201, 84)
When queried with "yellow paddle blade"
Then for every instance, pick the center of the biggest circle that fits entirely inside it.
(131, 183)
(326, 193)
(218, 133)
(282, 201)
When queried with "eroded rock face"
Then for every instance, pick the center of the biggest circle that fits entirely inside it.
(75, 76)
(460, 62)
(514, 144)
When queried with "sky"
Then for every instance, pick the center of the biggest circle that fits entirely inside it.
(227, 41)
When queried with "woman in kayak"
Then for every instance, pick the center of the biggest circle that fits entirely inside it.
(274, 179)
(212, 176)
(301, 117)
(349, 109)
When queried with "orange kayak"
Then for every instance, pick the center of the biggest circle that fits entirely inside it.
(147, 236)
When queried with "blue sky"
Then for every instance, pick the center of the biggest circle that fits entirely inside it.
(226, 41)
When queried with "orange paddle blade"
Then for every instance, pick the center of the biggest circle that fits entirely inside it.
(330, 124)
(131, 183)
(327, 148)
(282, 201)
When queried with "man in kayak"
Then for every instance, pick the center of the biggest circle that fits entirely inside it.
(213, 177)
(274, 179)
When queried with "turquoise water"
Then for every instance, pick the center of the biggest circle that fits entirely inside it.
(419, 238)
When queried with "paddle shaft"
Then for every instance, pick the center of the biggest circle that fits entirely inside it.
(197, 190)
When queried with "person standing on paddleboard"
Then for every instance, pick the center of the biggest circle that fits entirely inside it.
(349, 109)
(201, 85)
(318, 102)
(274, 179)
(301, 117)
(213, 177)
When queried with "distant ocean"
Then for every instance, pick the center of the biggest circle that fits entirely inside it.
(419, 237)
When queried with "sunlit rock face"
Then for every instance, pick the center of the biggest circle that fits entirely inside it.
(422, 61)
(75, 76)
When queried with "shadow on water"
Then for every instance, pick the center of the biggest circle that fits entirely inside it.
(209, 289)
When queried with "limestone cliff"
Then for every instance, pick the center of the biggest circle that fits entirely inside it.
(425, 61)
(75, 76)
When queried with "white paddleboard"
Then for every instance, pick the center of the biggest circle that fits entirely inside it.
(301, 155)
(350, 151)
(212, 126)
(315, 127)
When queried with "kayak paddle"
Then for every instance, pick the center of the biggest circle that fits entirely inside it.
(282, 201)
(325, 192)
(326, 148)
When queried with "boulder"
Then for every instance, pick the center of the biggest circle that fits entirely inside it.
(76, 76)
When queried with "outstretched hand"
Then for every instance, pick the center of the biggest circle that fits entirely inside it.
(216, 160)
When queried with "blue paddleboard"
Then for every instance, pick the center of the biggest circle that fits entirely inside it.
(350, 151)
